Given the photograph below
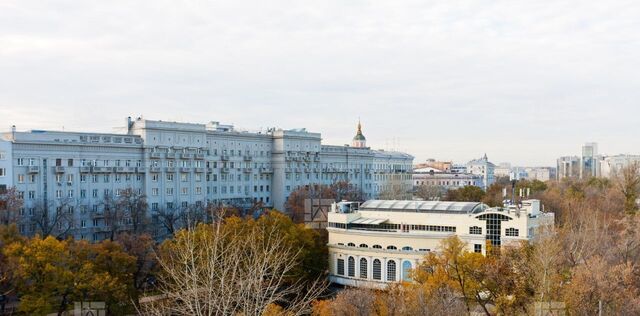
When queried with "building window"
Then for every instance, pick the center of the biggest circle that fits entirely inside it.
(477, 248)
(407, 248)
(363, 246)
(363, 268)
(392, 248)
(351, 267)
(512, 232)
(377, 269)
(391, 270)
(340, 267)
(377, 247)
(475, 230)
(406, 270)
(351, 244)
(3, 172)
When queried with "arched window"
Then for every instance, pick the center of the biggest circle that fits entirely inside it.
(340, 244)
(406, 270)
(407, 248)
(363, 246)
(391, 270)
(377, 269)
(351, 267)
(363, 268)
(392, 248)
(351, 244)
(340, 267)
(377, 247)
(512, 232)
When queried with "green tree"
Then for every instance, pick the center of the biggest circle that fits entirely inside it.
(469, 193)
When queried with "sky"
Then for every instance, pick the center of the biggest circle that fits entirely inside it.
(523, 81)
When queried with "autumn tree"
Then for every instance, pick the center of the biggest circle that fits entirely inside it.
(627, 181)
(51, 274)
(10, 205)
(469, 193)
(235, 266)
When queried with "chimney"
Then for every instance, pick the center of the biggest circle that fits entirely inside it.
(128, 124)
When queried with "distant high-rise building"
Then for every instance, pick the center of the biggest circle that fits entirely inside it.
(568, 167)
(588, 161)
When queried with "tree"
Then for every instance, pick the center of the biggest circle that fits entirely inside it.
(627, 181)
(133, 206)
(469, 193)
(234, 266)
(10, 205)
(143, 249)
(54, 218)
(430, 192)
(50, 274)
(395, 190)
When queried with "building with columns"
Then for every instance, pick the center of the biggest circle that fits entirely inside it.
(378, 242)
(177, 166)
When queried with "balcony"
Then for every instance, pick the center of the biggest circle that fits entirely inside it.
(101, 169)
(225, 170)
(247, 158)
(199, 156)
(85, 169)
(316, 158)
(120, 170)
(154, 169)
(154, 155)
(171, 155)
(186, 156)
(247, 170)
(307, 170)
(209, 170)
(141, 170)
(58, 169)
(199, 170)
(288, 170)
(288, 158)
(185, 169)
(33, 169)
(224, 157)
(171, 169)
(266, 170)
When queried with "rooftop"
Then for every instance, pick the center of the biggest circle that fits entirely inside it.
(423, 206)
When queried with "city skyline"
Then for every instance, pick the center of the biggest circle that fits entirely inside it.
(524, 83)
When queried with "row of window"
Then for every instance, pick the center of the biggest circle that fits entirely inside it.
(390, 247)
(376, 269)
(394, 227)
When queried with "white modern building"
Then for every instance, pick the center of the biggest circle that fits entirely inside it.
(379, 242)
(484, 168)
(609, 166)
(181, 165)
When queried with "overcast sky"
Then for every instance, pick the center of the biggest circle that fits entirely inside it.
(523, 81)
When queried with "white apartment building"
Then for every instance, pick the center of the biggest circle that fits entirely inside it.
(379, 242)
(181, 165)
(484, 168)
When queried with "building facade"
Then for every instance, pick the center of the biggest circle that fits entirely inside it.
(568, 167)
(444, 180)
(176, 166)
(379, 242)
(484, 168)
